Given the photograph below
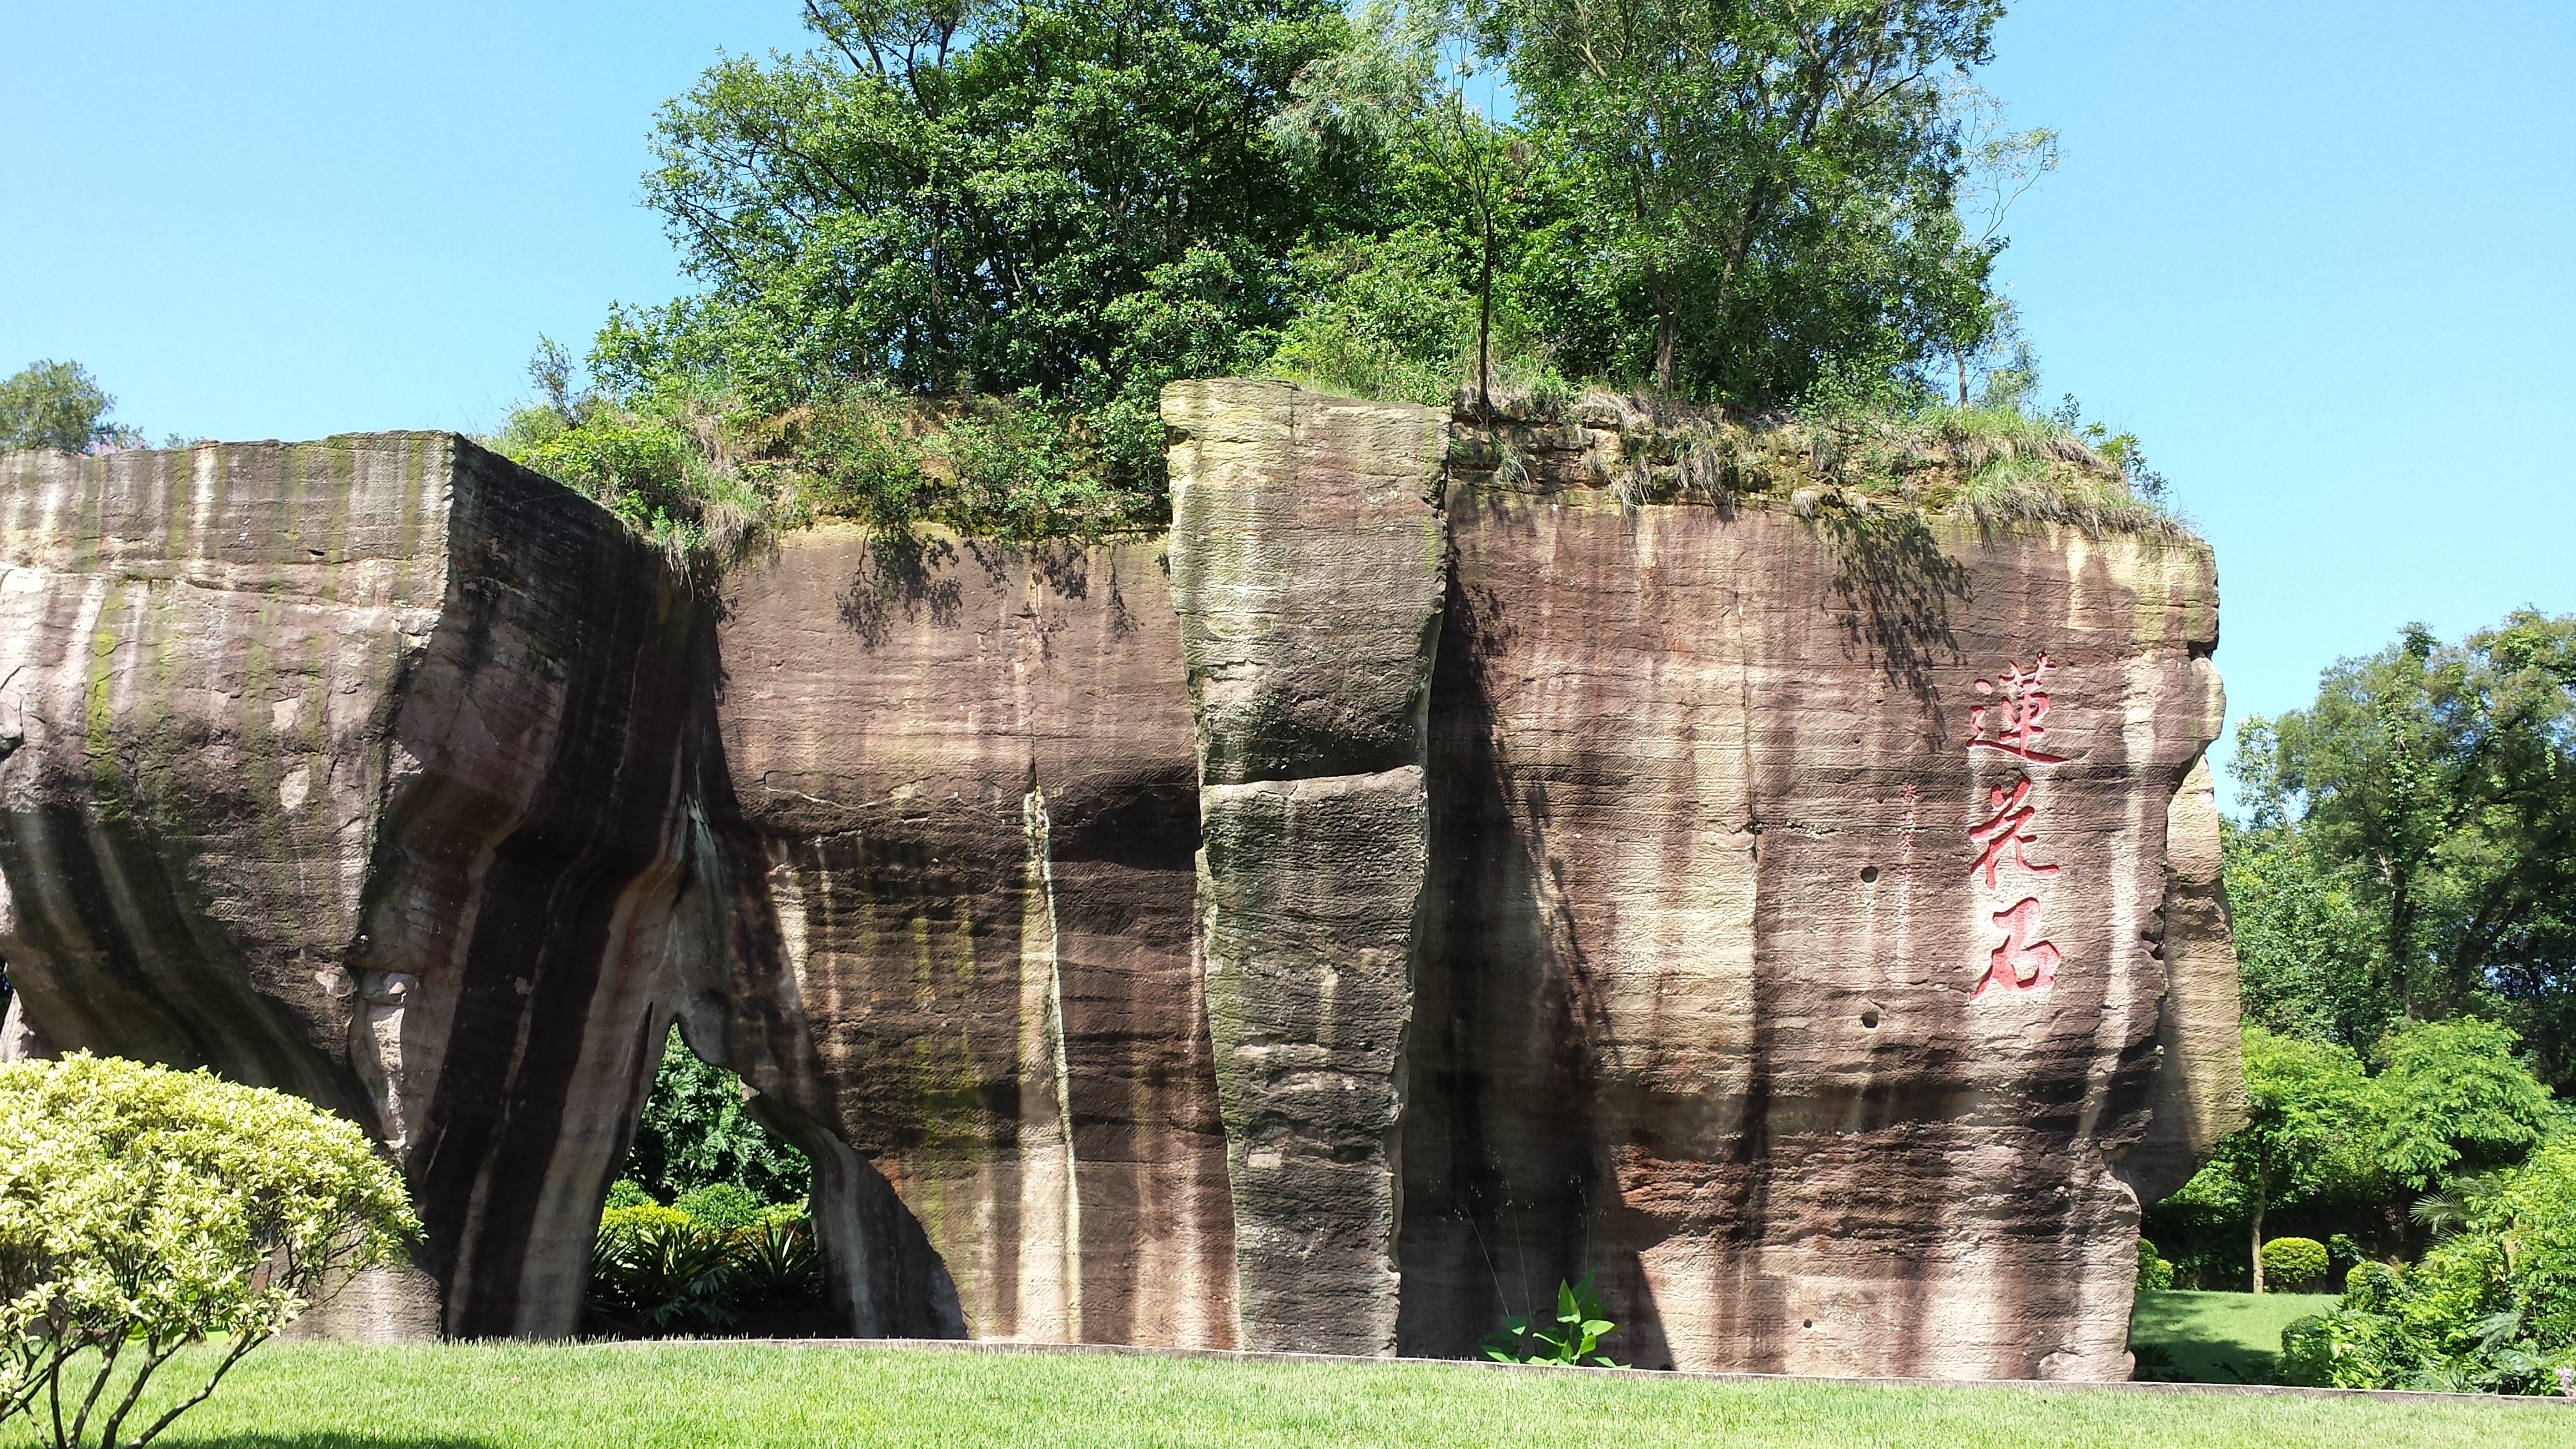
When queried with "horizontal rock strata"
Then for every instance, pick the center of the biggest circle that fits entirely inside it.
(349, 768)
(1408, 885)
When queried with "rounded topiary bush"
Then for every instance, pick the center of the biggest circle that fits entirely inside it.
(2154, 1274)
(144, 1209)
(2293, 1263)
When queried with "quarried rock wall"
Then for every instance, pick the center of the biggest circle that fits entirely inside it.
(1801, 957)
(349, 768)
(956, 808)
(1411, 883)
(1307, 561)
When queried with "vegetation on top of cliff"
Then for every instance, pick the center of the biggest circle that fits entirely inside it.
(59, 405)
(1996, 460)
(949, 256)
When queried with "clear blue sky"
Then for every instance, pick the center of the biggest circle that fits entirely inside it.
(2321, 257)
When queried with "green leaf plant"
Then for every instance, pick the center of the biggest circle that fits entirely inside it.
(1571, 1339)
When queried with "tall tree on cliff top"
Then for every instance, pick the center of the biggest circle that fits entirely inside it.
(2435, 788)
(1073, 198)
(59, 405)
(1773, 182)
(1394, 90)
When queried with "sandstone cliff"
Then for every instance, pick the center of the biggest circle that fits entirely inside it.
(1409, 883)
(1799, 941)
(349, 768)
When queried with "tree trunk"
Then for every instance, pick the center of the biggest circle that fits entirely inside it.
(2262, 1190)
(1485, 324)
(1664, 337)
(1963, 377)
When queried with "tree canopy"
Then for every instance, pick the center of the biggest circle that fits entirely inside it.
(948, 255)
(962, 198)
(2399, 897)
(1762, 185)
(59, 405)
(2412, 848)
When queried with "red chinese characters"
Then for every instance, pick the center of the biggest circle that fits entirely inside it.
(2015, 705)
(2020, 963)
(2009, 721)
(2007, 829)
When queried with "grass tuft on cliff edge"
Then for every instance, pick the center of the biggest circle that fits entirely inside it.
(1991, 462)
(706, 475)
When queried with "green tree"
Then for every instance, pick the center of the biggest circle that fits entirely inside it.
(143, 1210)
(2436, 786)
(2308, 954)
(2308, 1111)
(59, 405)
(988, 198)
(2450, 1098)
(1395, 91)
(695, 1132)
(1766, 183)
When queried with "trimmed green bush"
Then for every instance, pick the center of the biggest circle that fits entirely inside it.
(143, 1210)
(2155, 1275)
(2291, 1263)
(721, 1205)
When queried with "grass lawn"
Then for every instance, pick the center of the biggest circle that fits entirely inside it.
(2218, 1338)
(329, 1396)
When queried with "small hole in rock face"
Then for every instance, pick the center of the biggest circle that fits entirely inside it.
(1869, 875)
(1869, 1018)
(1811, 1323)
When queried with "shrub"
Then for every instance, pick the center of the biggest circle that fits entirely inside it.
(1579, 1326)
(1380, 319)
(2491, 1307)
(776, 1266)
(2155, 1275)
(658, 1270)
(720, 1205)
(662, 1269)
(144, 1209)
(2290, 1263)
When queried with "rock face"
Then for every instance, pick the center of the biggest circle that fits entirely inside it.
(1307, 561)
(1411, 883)
(956, 805)
(349, 768)
(1796, 954)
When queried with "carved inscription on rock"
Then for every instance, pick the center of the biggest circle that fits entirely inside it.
(2009, 720)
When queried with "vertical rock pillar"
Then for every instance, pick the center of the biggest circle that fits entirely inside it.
(1308, 569)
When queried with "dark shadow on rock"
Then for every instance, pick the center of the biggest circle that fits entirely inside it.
(1064, 565)
(1507, 1183)
(901, 578)
(1896, 586)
